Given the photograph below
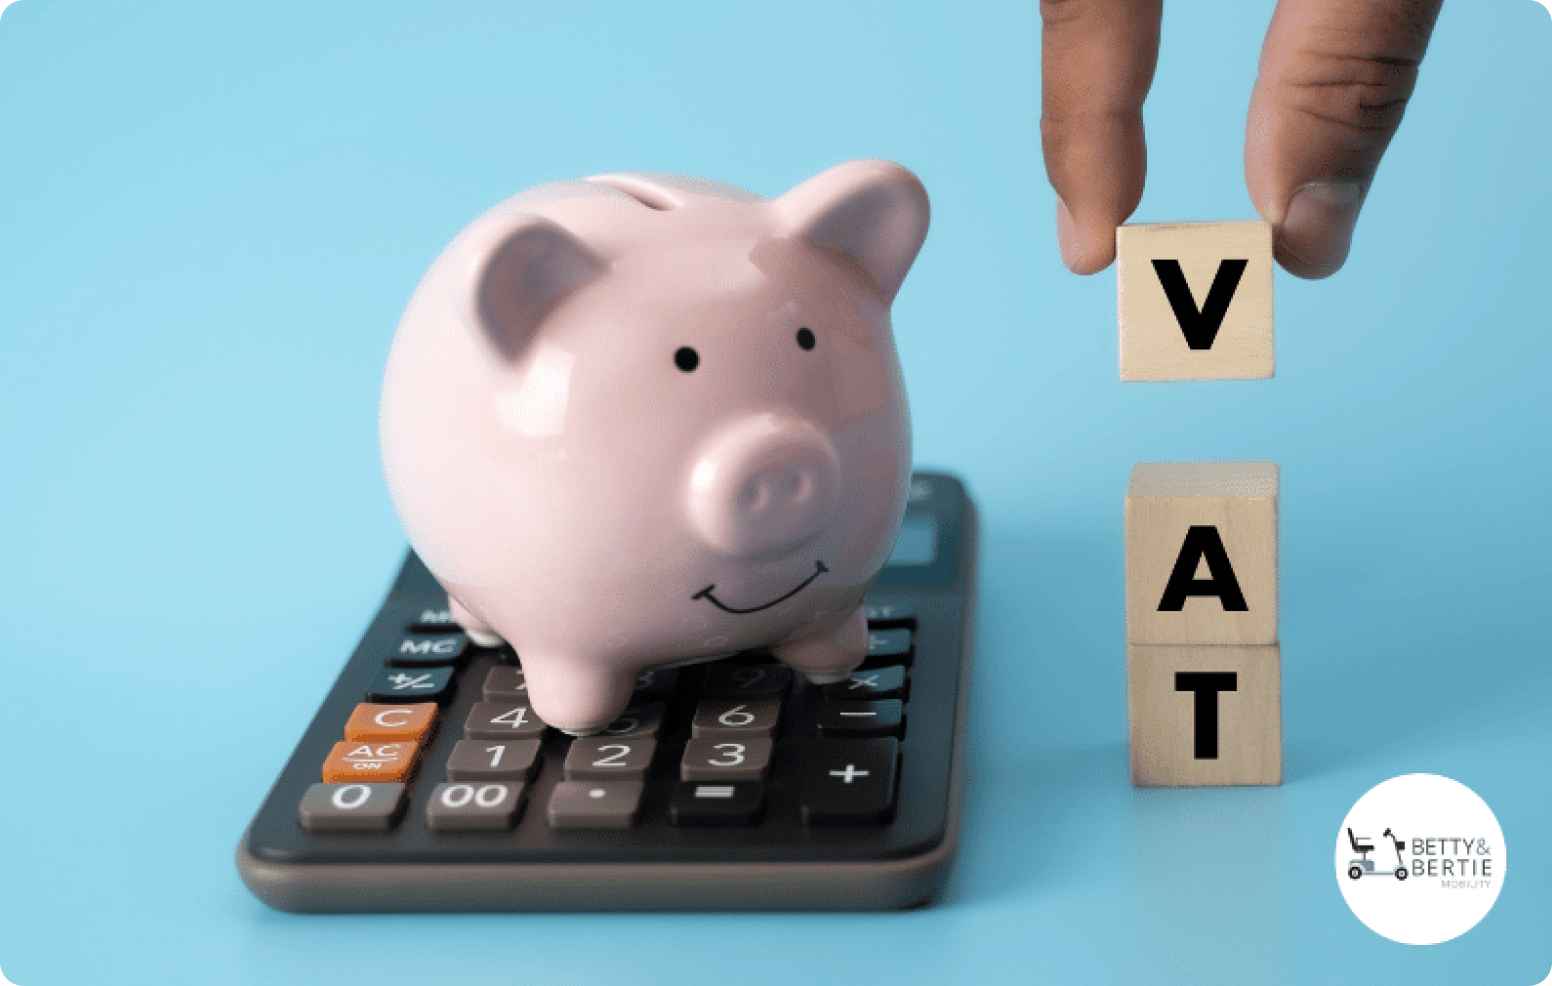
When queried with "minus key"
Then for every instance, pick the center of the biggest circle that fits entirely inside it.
(848, 720)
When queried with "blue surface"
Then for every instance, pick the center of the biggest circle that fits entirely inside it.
(213, 214)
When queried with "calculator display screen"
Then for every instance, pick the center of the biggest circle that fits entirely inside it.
(918, 541)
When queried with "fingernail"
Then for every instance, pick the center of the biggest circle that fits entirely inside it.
(1067, 237)
(1317, 229)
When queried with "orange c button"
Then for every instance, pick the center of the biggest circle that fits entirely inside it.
(371, 723)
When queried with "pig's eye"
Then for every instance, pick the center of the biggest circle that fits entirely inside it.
(686, 358)
(806, 338)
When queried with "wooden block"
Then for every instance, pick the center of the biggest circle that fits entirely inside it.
(1205, 715)
(1201, 553)
(1195, 301)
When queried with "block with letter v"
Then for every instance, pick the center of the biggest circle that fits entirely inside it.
(1195, 301)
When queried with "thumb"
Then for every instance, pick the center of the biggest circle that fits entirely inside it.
(1334, 82)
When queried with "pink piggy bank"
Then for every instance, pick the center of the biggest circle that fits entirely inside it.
(638, 421)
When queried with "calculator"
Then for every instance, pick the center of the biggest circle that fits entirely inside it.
(425, 783)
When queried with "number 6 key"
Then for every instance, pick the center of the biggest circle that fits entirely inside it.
(714, 720)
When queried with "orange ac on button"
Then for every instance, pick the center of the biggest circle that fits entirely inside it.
(376, 763)
(388, 723)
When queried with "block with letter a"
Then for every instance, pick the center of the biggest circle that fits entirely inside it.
(1195, 301)
(1203, 662)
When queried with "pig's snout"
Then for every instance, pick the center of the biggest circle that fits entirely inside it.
(762, 485)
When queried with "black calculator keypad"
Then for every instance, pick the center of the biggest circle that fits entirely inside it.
(725, 722)
(427, 782)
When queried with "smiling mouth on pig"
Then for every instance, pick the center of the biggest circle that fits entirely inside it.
(819, 569)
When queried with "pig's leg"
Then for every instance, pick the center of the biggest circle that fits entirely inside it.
(473, 625)
(574, 696)
(829, 657)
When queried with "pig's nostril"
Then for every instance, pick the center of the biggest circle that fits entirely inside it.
(755, 495)
(798, 485)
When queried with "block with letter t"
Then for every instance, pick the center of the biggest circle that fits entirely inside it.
(1205, 716)
(1195, 301)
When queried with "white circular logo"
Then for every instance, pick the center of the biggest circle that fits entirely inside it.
(1420, 859)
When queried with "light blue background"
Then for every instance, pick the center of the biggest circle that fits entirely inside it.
(211, 216)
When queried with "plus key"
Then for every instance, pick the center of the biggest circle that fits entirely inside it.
(850, 782)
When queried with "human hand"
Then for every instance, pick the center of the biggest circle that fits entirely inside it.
(1334, 80)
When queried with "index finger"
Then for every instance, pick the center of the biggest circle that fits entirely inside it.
(1097, 60)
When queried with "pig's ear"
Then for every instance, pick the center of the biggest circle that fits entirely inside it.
(517, 268)
(871, 213)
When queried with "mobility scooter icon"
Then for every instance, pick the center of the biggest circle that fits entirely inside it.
(1364, 866)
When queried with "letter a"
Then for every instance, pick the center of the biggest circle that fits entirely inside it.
(1203, 543)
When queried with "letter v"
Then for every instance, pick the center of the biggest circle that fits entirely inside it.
(1200, 326)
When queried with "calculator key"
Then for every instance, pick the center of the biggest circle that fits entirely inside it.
(716, 719)
(412, 685)
(502, 720)
(725, 803)
(505, 683)
(373, 723)
(601, 758)
(430, 620)
(747, 681)
(755, 655)
(743, 759)
(656, 683)
(850, 782)
(463, 806)
(871, 683)
(889, 643)
(638, 720)
(843, 719)
(350, 762)
(486, 760)
(351, 807)
(595, 805)
(429, 651)
(887, 612)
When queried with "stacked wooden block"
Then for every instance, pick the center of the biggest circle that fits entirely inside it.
(1204, 677)
(1204, 694)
